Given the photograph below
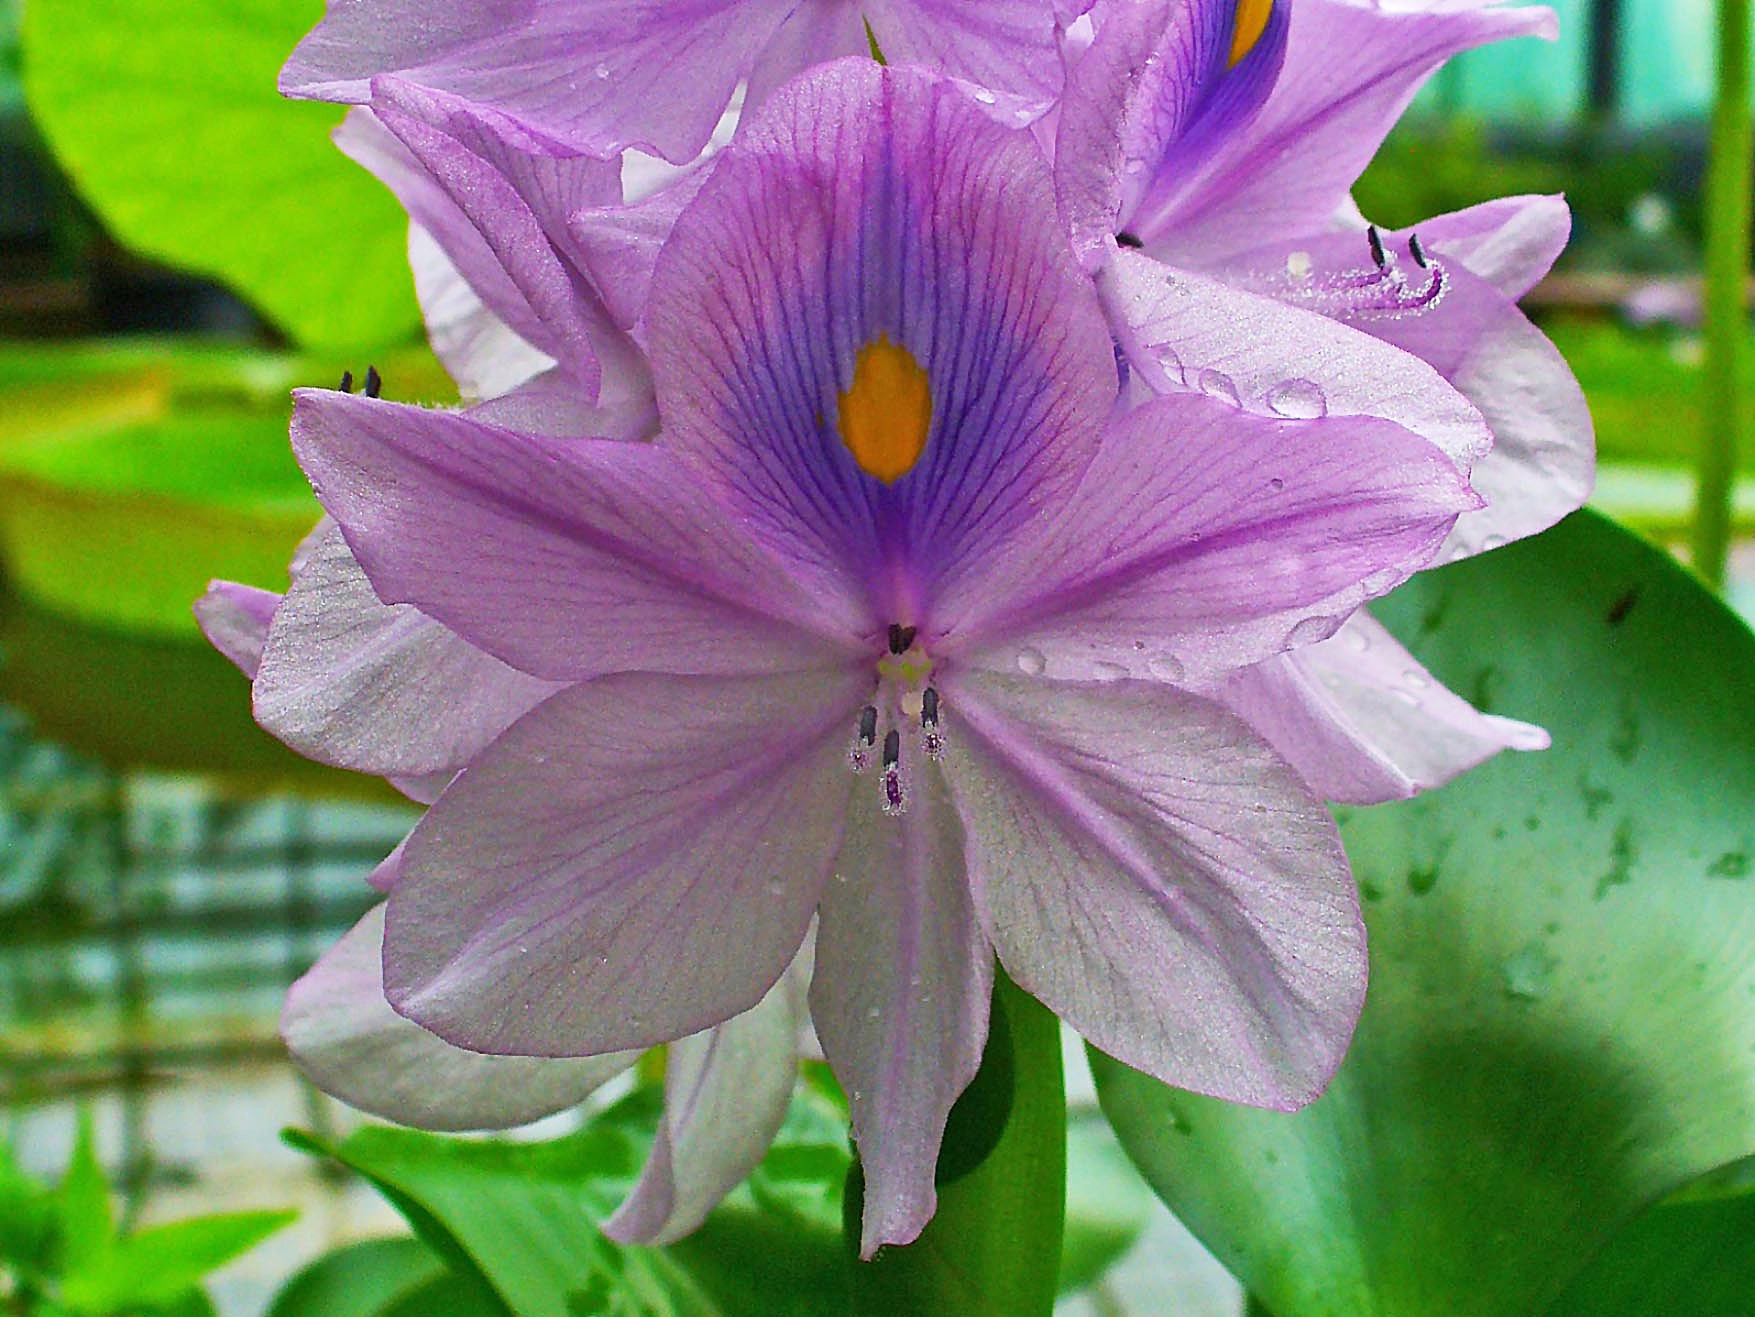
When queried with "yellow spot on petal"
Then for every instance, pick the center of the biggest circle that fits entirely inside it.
(888, 410)
(1252, 21)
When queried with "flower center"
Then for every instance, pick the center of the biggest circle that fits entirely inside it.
(905, 713)
(887, 410)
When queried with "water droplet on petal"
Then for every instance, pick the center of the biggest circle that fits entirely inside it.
(873, 1013)
(1276, 484)
(1298, 266)
(1357, 640)
(1106, 671)
(985, 97)
(1171, 363)
(1309, 631)
(1166, 667)
(1217, 384)
(600, 72)
(1032, 662)
(1493, 542)
(1382, 582)
(1298, 400)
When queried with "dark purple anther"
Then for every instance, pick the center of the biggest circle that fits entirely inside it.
(374, 382)
(929, 707)
(868, 724)
(1378, 255)
(1417, 250)
(892, 747)
(900, 638)
(347, 381)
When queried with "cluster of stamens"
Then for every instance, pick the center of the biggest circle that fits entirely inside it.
(905, 703)
(1384, 291)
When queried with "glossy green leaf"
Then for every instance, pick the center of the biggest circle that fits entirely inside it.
(158, 1265)
(1560, 1029)
(521, 1220)
(1681, 1259)
(171, 127)
(150, 701)
(993, 1247)
(125, 527)
(361, 1280)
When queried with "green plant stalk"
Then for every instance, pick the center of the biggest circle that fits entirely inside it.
(993, 1247)
(1728, 184)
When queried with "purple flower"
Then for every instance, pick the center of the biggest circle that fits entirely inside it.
(598, 76)
(1203, 160)
(891, 627)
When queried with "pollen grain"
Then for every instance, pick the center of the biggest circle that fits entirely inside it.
(886, 413)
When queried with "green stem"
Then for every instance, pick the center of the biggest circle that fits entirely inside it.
(993, 1247)
(1728, 185)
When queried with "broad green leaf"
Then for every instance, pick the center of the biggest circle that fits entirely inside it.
(362, 1280)
(1561, 1024)
(150, 701)
(158, 1265)
(441, 1294)
(170, 126)
(86, 1225)
(125, 527)
(187, 371)
(1681, 1259)
(133, 474)
(523, 1218)
(192, 1302)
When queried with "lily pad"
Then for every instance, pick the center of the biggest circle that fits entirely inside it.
(126, 526)
(1561, 1024)
(171, 127)
(151, 701)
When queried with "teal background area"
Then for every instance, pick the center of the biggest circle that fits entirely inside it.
(1666, 67)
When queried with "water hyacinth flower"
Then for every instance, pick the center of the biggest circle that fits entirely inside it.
(599, 76)
(892, 627)
(1205, 150)
(1222, 138)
